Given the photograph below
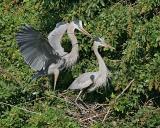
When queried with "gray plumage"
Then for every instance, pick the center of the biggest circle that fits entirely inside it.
(35, 49)
(48, 56)
(71, 58)
(92, 80)
(55, 40)
(55, 37)
(83, 81)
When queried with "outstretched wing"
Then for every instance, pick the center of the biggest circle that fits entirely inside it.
(83, 81)
(55, 36)
(36, 51)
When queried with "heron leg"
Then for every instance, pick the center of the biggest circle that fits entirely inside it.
(82, 106)
(77, 100)
(79, 94)
(56, 74)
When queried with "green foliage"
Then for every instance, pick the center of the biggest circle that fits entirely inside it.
(146, 117)
(131, 26)
(50, 117)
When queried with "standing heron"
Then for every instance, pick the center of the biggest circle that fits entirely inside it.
(47, 57)
(90, 81)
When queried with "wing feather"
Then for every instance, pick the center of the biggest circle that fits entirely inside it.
(35, 49)
(83, 81)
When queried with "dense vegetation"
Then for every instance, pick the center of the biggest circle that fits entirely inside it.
(131, 26)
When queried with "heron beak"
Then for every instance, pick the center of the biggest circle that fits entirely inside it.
(108, 46)
(85, 32)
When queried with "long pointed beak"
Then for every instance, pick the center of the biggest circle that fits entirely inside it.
(85, 32)
(108, 46)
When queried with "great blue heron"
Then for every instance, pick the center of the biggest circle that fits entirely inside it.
(47, 57)
(92, 80)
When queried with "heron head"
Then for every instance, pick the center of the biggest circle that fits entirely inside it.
(78, 25)
(101, 42)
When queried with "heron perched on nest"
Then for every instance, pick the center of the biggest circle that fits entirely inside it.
(90, 81)
(47, 57)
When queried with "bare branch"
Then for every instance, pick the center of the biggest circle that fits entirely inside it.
(124, 89)
(106, 115)
(110, 108)
(20, 108)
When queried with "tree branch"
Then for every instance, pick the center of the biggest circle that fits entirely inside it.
(110, 108)
(20, 108)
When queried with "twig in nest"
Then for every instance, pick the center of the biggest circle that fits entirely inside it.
(106, 115)
(97, 106)
(110, 108)
(90, 118)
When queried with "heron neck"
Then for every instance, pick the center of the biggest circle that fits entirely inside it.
(102, 66)
(72, 57)
(74, 41)
(71, 34)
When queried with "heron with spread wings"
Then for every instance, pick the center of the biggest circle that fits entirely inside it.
(47, 56)
(90, 81)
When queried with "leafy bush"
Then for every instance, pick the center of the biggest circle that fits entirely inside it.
(131, 26)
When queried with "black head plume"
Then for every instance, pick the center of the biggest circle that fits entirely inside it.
(60, 23)
(97, 39)
(76, 21)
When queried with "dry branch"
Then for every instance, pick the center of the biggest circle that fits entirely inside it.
(110, 108)
(20, 108)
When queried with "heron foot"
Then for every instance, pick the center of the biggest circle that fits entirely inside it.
(82, 106)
